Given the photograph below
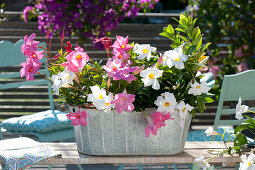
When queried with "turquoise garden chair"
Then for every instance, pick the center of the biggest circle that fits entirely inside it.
(233, 86)
(49, 125)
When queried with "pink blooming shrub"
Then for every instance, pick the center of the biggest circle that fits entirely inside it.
(121, 55)
(78, 118)
(76, 60)
(121, 44)
(156, 121)
(30, 45)
(29, 68)
(123, 101)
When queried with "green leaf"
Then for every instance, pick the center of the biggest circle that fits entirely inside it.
(183, 38)
(190, 31)
(240, 128)
(165, 34)
(182, 16)
(195, 33)
(180, 29)
(191, 49)
(241, 139)
(194, 21)
(198, 41)
(208, 100)
(183, 22)
(170, 29)
(201, 106)
(204, 47)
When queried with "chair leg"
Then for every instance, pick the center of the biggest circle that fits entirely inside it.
(175, 166)
(140, 166)
(50, 166)
(165, 167)
(121, 166)
(1, 136)
(79, 166)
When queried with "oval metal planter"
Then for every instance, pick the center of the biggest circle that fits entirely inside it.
(123, 134)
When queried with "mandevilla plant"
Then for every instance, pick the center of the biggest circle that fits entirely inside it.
(85, 19)
(134, 78)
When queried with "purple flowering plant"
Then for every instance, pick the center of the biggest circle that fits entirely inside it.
(85, 19)
(134, 78)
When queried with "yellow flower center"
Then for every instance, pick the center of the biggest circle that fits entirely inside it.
(123, 46)
(107, 104)
(120, 56)
(151, 76)
(31, 70)
(177, 59)
(249, 163)
(114, 68)
(34, 56)
(68, 77)
(197, 87)
(100, 96)
(78, 57)
(183, 110)
(145, 51)
(166, 104)
(77, 116)
(164, 58)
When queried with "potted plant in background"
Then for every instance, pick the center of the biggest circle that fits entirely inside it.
(84, 19)
(139, 102)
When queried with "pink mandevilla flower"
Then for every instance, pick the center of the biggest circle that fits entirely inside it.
(30, 46)
(37, 55)
(121, 55)
(107, 42)
(76, 60)
(121, 44)
(156, 123)
(119, 70)
(78, 118)
(29, 68)
(123, 101)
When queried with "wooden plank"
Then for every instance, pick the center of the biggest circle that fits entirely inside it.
(188, 145)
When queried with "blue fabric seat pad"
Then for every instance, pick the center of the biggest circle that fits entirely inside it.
(41, 122)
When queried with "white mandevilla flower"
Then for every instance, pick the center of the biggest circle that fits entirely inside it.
(150, 76)
(182, 111)
(67, 78)
(202, 163)
(167, 103)
(144, 51)
(97, 97)
(209, 131)
(240, 109)
(57, 83)
(198, 89)
(175, 58)
(247, 163)
(107, 102)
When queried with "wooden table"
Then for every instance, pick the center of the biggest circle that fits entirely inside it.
(192, 150)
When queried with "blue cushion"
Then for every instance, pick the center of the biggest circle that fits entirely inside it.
(42, 122)
(199, 135)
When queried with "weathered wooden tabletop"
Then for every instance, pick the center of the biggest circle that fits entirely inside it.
(192, 150)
